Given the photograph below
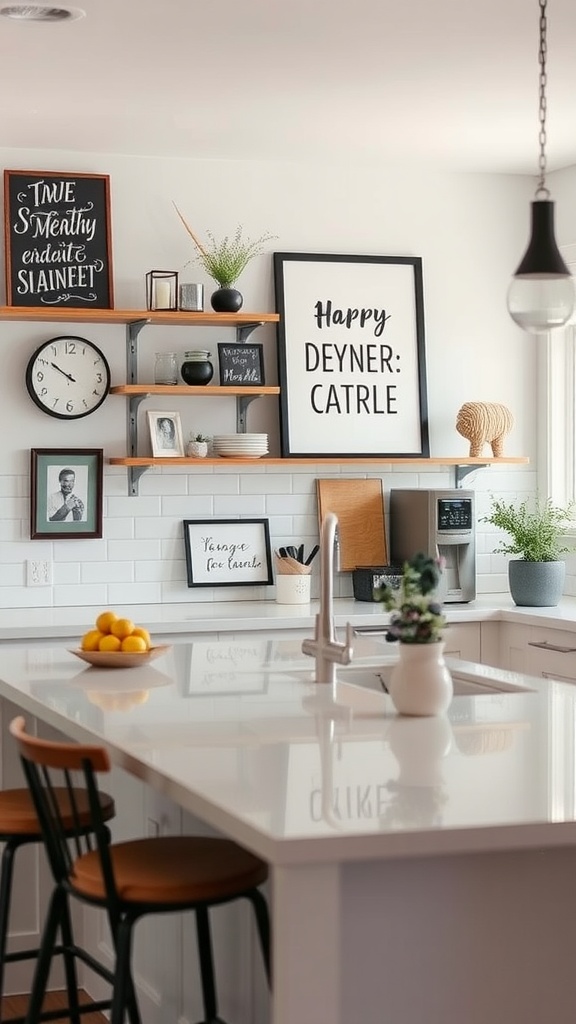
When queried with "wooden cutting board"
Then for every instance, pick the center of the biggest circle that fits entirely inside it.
(359, 505)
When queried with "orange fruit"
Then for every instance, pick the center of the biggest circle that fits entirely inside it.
(109, 643)
(140, 631)
(134, 643)
(91, 639)
(122, 628)
(105, 620)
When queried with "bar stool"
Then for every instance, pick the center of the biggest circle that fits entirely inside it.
(128, 880)
(19, 827)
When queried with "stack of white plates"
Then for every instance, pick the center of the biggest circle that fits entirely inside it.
(240, 446)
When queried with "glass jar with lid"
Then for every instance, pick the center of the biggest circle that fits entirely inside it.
(197, 368)
(166, 368)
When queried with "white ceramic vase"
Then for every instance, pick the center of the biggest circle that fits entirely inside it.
(420, 683)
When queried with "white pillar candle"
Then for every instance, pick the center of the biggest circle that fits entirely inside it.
(162, 295)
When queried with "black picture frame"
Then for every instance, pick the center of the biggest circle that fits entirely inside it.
(76, 208)
(241, 365)
(351, 356)
(228, 552)
(47, 474)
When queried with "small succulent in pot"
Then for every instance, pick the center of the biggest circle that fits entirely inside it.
(416, 612)
(197, 447)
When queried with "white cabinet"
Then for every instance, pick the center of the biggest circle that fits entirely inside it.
(538, 651)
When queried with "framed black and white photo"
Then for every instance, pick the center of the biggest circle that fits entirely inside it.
(241, 365)
(65, 492)
(166, 434)
(227, 552)
(351, 355)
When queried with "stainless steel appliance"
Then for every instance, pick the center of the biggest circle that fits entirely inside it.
(438, 523)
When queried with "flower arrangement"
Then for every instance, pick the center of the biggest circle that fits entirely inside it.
(225, 260)
(536, 529)
(416, 614)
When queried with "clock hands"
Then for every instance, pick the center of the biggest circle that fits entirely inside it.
(63, 372)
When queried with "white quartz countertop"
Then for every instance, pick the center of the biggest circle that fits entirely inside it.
(236, 616)
(236, 732)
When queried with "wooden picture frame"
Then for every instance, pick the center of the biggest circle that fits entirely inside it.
(165, 434)
(351, 356)
(66, 493)
(57, 239)
(227, 552)
(241, 365)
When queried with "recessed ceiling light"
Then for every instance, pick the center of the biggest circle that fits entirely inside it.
(38, 12)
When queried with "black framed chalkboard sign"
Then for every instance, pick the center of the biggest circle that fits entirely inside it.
(241, 365)
(57, 239)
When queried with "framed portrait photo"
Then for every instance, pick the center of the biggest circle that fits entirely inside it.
(66, 492)
(227, 552)
(166, 435)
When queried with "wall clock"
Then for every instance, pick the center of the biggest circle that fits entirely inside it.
(68, 377)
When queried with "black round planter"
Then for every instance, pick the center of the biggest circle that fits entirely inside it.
(226, 300)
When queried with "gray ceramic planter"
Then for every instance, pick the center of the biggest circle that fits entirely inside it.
(536, 583)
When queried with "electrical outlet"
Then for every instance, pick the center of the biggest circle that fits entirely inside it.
(38, 572)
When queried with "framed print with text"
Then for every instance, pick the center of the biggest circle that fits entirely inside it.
(351, 356)
(65, 493)
(227, 552)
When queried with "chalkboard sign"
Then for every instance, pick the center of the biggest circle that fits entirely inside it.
(57, 239)
(241, 365)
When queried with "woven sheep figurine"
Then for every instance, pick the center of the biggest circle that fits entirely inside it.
(481, 422)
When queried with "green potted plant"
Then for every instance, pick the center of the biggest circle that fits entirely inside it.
(224, 260)
(420, 683)
(537, 530)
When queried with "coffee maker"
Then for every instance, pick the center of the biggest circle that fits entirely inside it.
(442, 524)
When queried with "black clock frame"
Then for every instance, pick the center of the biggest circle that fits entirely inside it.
(30, 385)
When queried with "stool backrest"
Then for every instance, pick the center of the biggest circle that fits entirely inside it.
(51, 766)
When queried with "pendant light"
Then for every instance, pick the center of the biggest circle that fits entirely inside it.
(541, 293)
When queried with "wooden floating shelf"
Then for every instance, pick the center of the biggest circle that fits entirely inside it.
(204, 390)
(128, 316)
(305, 460)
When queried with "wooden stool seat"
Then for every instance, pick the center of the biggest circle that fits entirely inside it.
(171, 870)
(18, 816)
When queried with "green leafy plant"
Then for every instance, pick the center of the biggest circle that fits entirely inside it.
(536, 528)
(199, 437)
(225, 260)
(416, 613)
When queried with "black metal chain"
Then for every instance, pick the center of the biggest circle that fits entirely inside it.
(541, 190)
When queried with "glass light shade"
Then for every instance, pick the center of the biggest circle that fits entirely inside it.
(541, 295)
(538, 303)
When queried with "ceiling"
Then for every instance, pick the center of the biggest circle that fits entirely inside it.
(452, 84)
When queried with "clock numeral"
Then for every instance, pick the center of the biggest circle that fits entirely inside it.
(70, 348)
(99, 378)
(39, 376)
(69, 406)
(43, 391)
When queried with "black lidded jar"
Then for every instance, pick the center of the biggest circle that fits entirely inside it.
(197, 368)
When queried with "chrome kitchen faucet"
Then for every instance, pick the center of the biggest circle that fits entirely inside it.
(327, 651)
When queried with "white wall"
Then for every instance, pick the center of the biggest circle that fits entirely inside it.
(470, 231)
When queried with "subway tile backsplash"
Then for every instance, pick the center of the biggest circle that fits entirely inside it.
(140, 558)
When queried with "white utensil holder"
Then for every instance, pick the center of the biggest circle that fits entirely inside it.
(293, 588)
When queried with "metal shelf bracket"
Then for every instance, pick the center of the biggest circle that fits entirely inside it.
(242, 403)
(461, 472)
(243, 331)
(134, 472)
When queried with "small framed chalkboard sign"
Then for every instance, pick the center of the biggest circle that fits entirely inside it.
(241, 365)
(57, 239)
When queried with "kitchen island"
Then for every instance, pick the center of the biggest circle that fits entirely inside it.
(422, 869)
